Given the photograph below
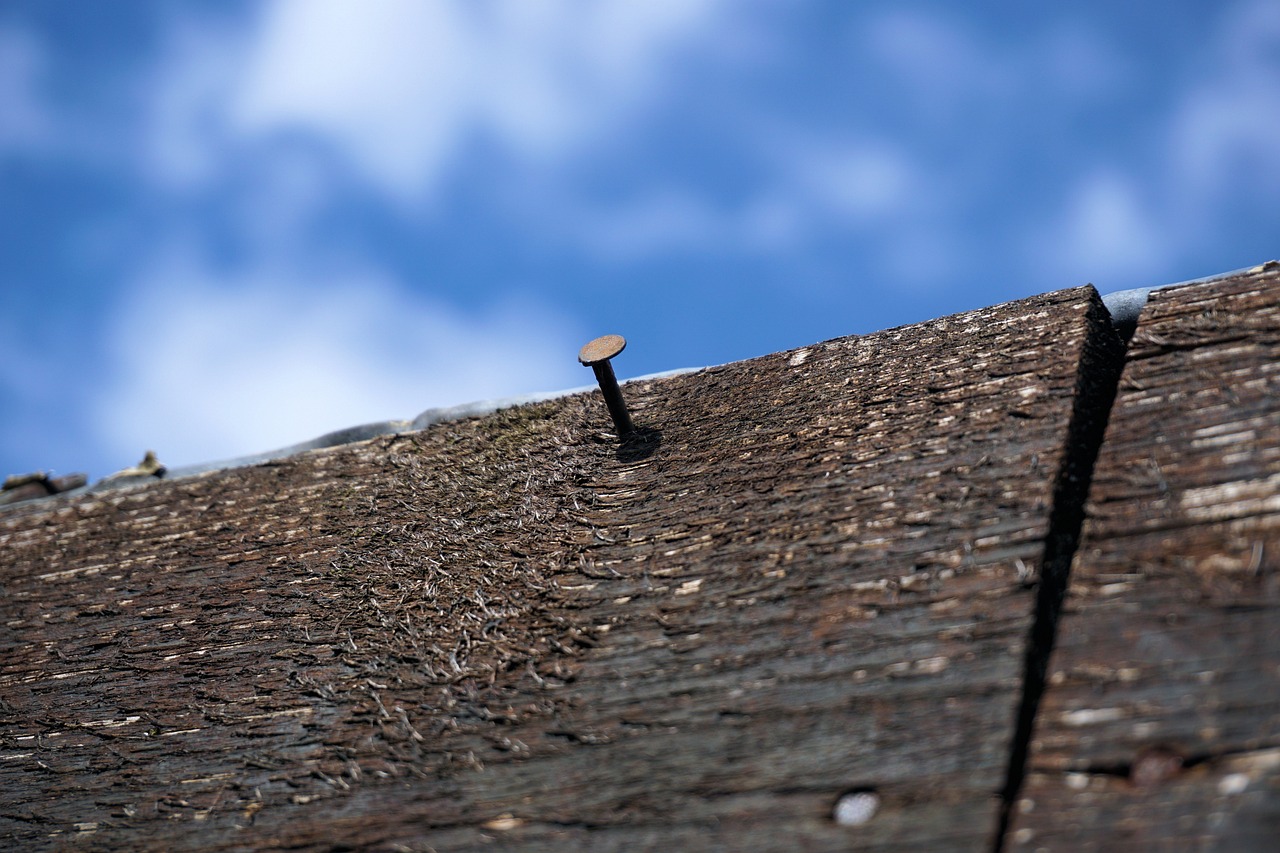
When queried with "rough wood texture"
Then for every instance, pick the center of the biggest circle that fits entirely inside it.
(811, 572)
(1161, 725)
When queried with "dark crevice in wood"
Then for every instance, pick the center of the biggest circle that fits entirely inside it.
(1097, 380)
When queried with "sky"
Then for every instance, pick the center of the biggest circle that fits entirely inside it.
(227, 227)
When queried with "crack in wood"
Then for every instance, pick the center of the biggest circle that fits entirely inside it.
(1097, 381)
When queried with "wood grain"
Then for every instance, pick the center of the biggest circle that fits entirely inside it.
(810, 573)
(1161, 727)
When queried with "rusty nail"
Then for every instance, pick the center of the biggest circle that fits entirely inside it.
(596, 355)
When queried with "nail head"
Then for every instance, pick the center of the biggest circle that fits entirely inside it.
(601, 349)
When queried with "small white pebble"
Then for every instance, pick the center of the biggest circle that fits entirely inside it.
(1077, 781)
(1234, 783)
(856, 809)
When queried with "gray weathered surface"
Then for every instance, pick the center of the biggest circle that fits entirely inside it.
(812, 574)
(1161, 725)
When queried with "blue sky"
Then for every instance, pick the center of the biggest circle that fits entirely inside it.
(227, 227)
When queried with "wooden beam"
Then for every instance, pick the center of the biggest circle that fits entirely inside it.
(809, 576)
(1161, 725)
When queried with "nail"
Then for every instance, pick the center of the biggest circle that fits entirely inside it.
(596, 355)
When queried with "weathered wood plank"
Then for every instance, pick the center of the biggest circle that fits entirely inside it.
(1161, 725)
(813, 573)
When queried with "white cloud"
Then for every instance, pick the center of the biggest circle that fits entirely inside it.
(670, 221)
(401, 88)
(393, 84)
(1109, 234)
(808, 189)
(24, 121)
(560, 70)
(662, 221)
(1132, 224)
(186, 139)
(206, 367)
(858, 182)
(1224, 132)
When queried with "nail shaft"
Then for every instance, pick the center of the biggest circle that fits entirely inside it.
(613, 398)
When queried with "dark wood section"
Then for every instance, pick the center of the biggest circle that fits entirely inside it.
(1161, 725)
(807, 574)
